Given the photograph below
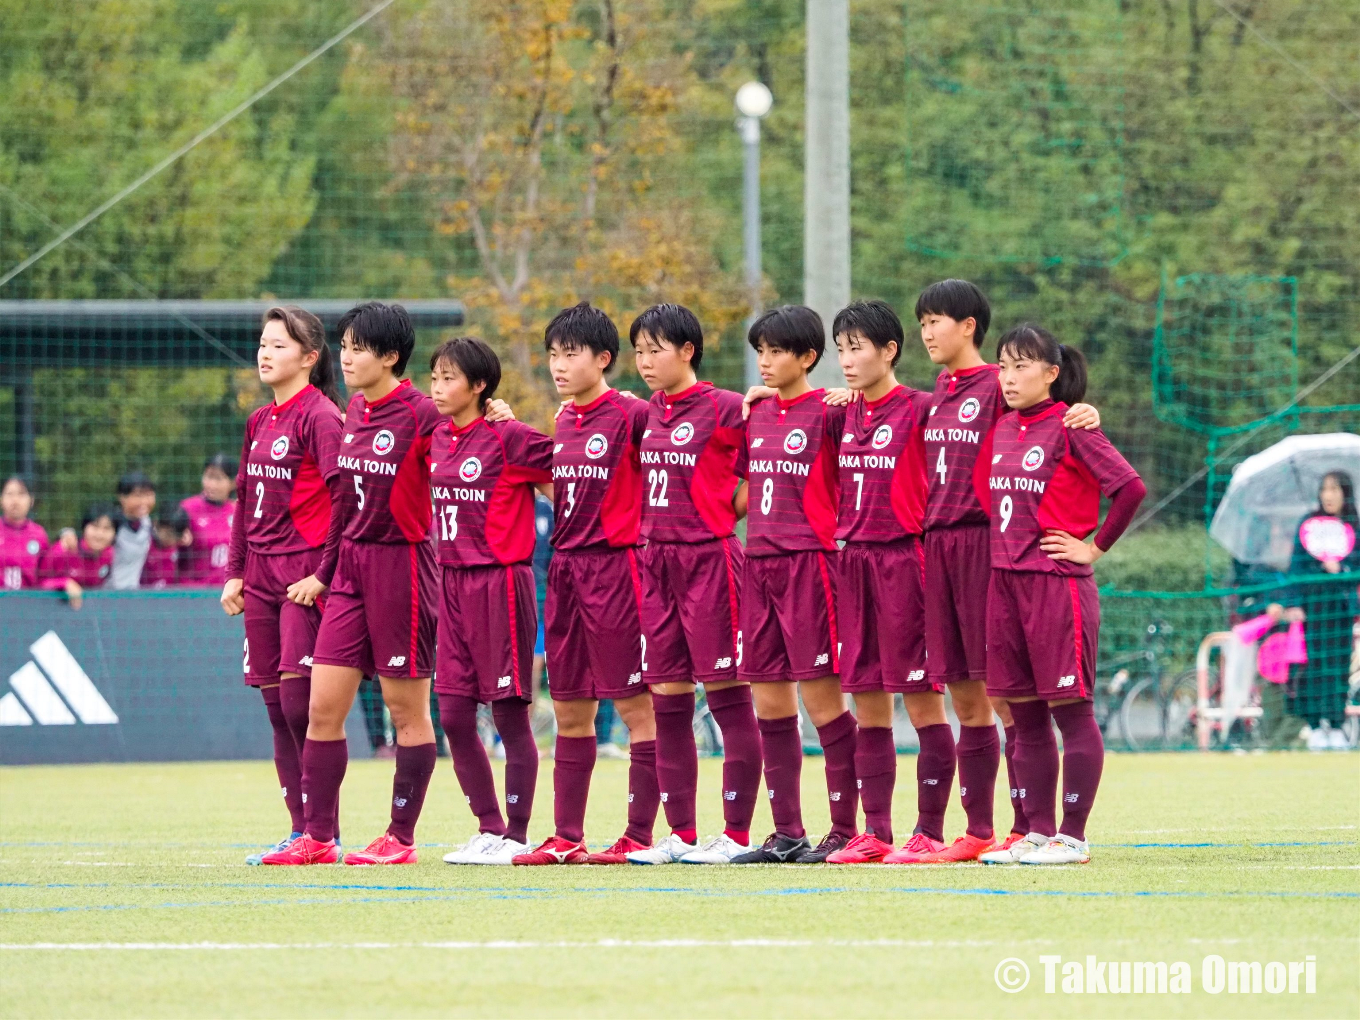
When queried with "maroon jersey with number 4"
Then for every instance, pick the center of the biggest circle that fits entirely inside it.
(597, 473)
(1045, 477)
(385, 461)
(964, 408)
(789, 460)
(482, 478)
(689, 456)
(882, 467)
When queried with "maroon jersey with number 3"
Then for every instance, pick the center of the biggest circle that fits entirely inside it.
(482, 478)
(789, 460)
(385, 459)
(1045, 477)
(689, 456)
(882, 467)
(964, 408)
(597, 473)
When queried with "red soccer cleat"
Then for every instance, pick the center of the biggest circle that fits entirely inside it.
(555, 850)
(618, 853)
(386, 849)
(918, 848)
(304, 850)
(866, 848)
(1011, 840)
(965, 848)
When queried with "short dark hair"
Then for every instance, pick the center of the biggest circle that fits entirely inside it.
(380, 329)
(959, 300)
(793, 328)
(873, 320)
(673, 324)
(134, 480)
(1030, 341)
(225, 463)
(96, 511)
(583, 326)
(475, 359)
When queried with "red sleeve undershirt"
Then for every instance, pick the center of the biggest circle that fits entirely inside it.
(1123, 505)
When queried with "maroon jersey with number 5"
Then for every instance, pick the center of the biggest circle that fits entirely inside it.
(789, 460)
(597, 473)
(689, 456)
(482, 478)
(964, 408)
(882, 467)
(1045, 477)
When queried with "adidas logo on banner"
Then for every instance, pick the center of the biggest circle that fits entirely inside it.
(38, 687)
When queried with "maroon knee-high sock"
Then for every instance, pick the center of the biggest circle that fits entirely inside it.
(415, 766)
(934, 777)
(295, 695)
(286, 760)
(979, 757)
(323, 770)
(575, 761)
(677, 761)
(838, 738)
(644, 796)
(1083, 758)
(1036, 764)
(782, 750)
(458, 716)
(1020, 823)
(876, 775)
(521, 764)
(735, 714)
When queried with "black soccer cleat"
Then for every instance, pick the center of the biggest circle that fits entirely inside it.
(775, 850)
(830, 843)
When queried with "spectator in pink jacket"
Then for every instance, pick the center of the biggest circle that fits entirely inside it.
(22, 541)
(205, 522)
(89, 565)
(162, 559)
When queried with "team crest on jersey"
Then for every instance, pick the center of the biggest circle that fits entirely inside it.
(33, 548)
(969, 409)
(278, 449)
(795, 442)
(1033, 458)
(597, 446)
(683, 433)
(470, 470)
(882, 437)
(383, 442)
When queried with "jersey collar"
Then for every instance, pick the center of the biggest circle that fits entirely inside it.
(279, 408)
(402, 386)
(1041, 410)
(784, 405)
(458, 432)
(580, 409)
(964, 373)
(874, 405)
(685, 394)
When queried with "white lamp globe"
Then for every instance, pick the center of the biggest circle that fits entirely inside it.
(754, 100)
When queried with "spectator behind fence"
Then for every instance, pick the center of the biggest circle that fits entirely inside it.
(162, 560)
(205, 521)
(22, 541)
(136, 501)
(90, 565)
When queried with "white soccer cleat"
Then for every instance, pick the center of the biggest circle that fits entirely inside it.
(719, 850)
(1059, 850)
(504, 853)
(476, 848)
(1017, 851)
(668, 851)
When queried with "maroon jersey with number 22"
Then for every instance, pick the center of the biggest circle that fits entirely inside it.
(689, 454)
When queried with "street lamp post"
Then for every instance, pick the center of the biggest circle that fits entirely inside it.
(753, 103)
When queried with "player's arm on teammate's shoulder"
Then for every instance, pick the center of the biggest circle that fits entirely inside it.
(1082, 416)
(755, 395)
(840, 397)
(498, 410)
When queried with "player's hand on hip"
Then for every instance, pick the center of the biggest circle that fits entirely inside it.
(233, 601)
(1059, 545)
(498, 410)
(305, 592)
(754, 396)
(1082, 416)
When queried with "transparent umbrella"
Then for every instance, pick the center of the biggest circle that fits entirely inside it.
(1271, 492)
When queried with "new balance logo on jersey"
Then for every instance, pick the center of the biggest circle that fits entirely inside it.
(635, 678)
(1066, 681)
(383, 443)
(502, 681)
(279, 448)
(724, 663)
(758, 441)
(916, 675)
(349, 437)
(397, 660)
(36, 685)
(823, 659)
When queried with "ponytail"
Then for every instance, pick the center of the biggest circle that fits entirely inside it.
(307, 330)
(1037, 344)
(323, 375)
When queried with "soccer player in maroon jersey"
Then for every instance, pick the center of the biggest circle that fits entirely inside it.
(1043, 613)
(790, 632)
(954, 316)
(205, 524)
(482, 478)
(592, 616)
(380, 613)
(283, 531)
(691, 567)
(22, 541)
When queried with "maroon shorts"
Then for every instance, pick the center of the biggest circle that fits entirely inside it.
(1042, 635)
(691, 624)
(958, 568)
(882, 626)
(280, 635)
(488, 618)
(788, 617)
(380, 616)
(592, 626)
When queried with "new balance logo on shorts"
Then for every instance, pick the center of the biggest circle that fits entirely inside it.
(635, 678)
(729, 795)
(1070, 798)
(1066, 681)
(665, 798)
(397, 660)
(724, 663)
(930, 782)
(835, 795)
(915, 675)
(823, 659)
(512, 798)
(502, 681)
(306, 660)
(399, 801)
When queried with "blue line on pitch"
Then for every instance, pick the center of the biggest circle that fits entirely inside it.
(1126, 846)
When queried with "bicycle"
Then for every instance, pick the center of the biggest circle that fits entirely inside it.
(1138, 706)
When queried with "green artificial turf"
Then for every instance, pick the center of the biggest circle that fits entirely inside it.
(1251, 858)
